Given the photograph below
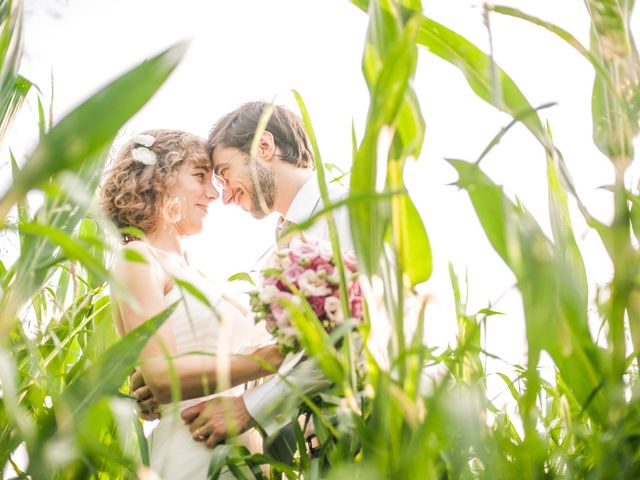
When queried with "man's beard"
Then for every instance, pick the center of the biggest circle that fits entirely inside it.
(265, 196)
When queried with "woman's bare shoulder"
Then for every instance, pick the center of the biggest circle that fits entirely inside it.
(135, 256)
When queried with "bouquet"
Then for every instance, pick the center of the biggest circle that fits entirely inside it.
(305, 272)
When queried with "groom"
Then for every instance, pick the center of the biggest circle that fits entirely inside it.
(280, 178)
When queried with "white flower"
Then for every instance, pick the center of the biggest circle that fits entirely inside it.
(144, 155)
(333, 308)
(285, 262)
(268, 293)
(279, 260)
(326, 252)
(311, 284)
(334, 278)
(144, 139)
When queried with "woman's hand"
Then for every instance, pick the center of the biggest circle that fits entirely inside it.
(147, 404)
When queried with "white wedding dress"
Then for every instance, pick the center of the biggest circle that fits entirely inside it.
(220, 331)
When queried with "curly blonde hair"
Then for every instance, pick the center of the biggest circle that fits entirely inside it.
(134, 194)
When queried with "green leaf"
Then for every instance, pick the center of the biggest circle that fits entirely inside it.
(489, 202)
(412, 240)
(42, 120)
(554, 315)
(105, 375)
(479, 70)
(314, 339)
(133, 256)
(10, 43)
(243, 276)
(11, 101)
(558, 31)
(574, 294)
(389, 94)
(219, 457)
(22, 206)
(190, 288)
(90, 128)
(488, 312)
(512, 389)
(334, 237)
(634, 215)
(71, 247)
(615, 107)
(143, 445)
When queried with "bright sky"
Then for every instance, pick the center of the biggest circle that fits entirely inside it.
(243, 50)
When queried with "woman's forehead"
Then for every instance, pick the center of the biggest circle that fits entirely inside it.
(199, 161)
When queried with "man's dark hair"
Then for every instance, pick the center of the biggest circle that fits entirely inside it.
(237, 129)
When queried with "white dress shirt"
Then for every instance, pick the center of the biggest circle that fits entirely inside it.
(273, 403)
(308, 202)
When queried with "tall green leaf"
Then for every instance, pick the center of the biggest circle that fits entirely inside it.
(616, 112)
(102, 378)
(481, 72)
(555, 313)
(394, 117)
(76, 147)
(90, 128)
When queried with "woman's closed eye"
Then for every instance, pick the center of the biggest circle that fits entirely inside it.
(202, 173)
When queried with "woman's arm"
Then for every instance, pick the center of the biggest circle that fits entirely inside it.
(200, 375)
(197, 374)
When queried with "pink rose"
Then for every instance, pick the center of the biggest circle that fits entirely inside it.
(349, 260)
(279, 311)
(318, 263)
(317, 304)
(292, 274)
(303, 253)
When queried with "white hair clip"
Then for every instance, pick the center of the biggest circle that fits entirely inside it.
(143, 154)
(144, 139)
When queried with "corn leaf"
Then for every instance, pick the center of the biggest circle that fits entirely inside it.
(90, 128)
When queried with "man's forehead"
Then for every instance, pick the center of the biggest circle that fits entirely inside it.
(223, 155)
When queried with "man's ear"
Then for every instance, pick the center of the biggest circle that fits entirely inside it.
(266, 146)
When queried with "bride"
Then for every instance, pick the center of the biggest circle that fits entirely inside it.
(161, 183)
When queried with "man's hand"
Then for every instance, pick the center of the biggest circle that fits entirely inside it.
(147, 403)
(216, 419)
